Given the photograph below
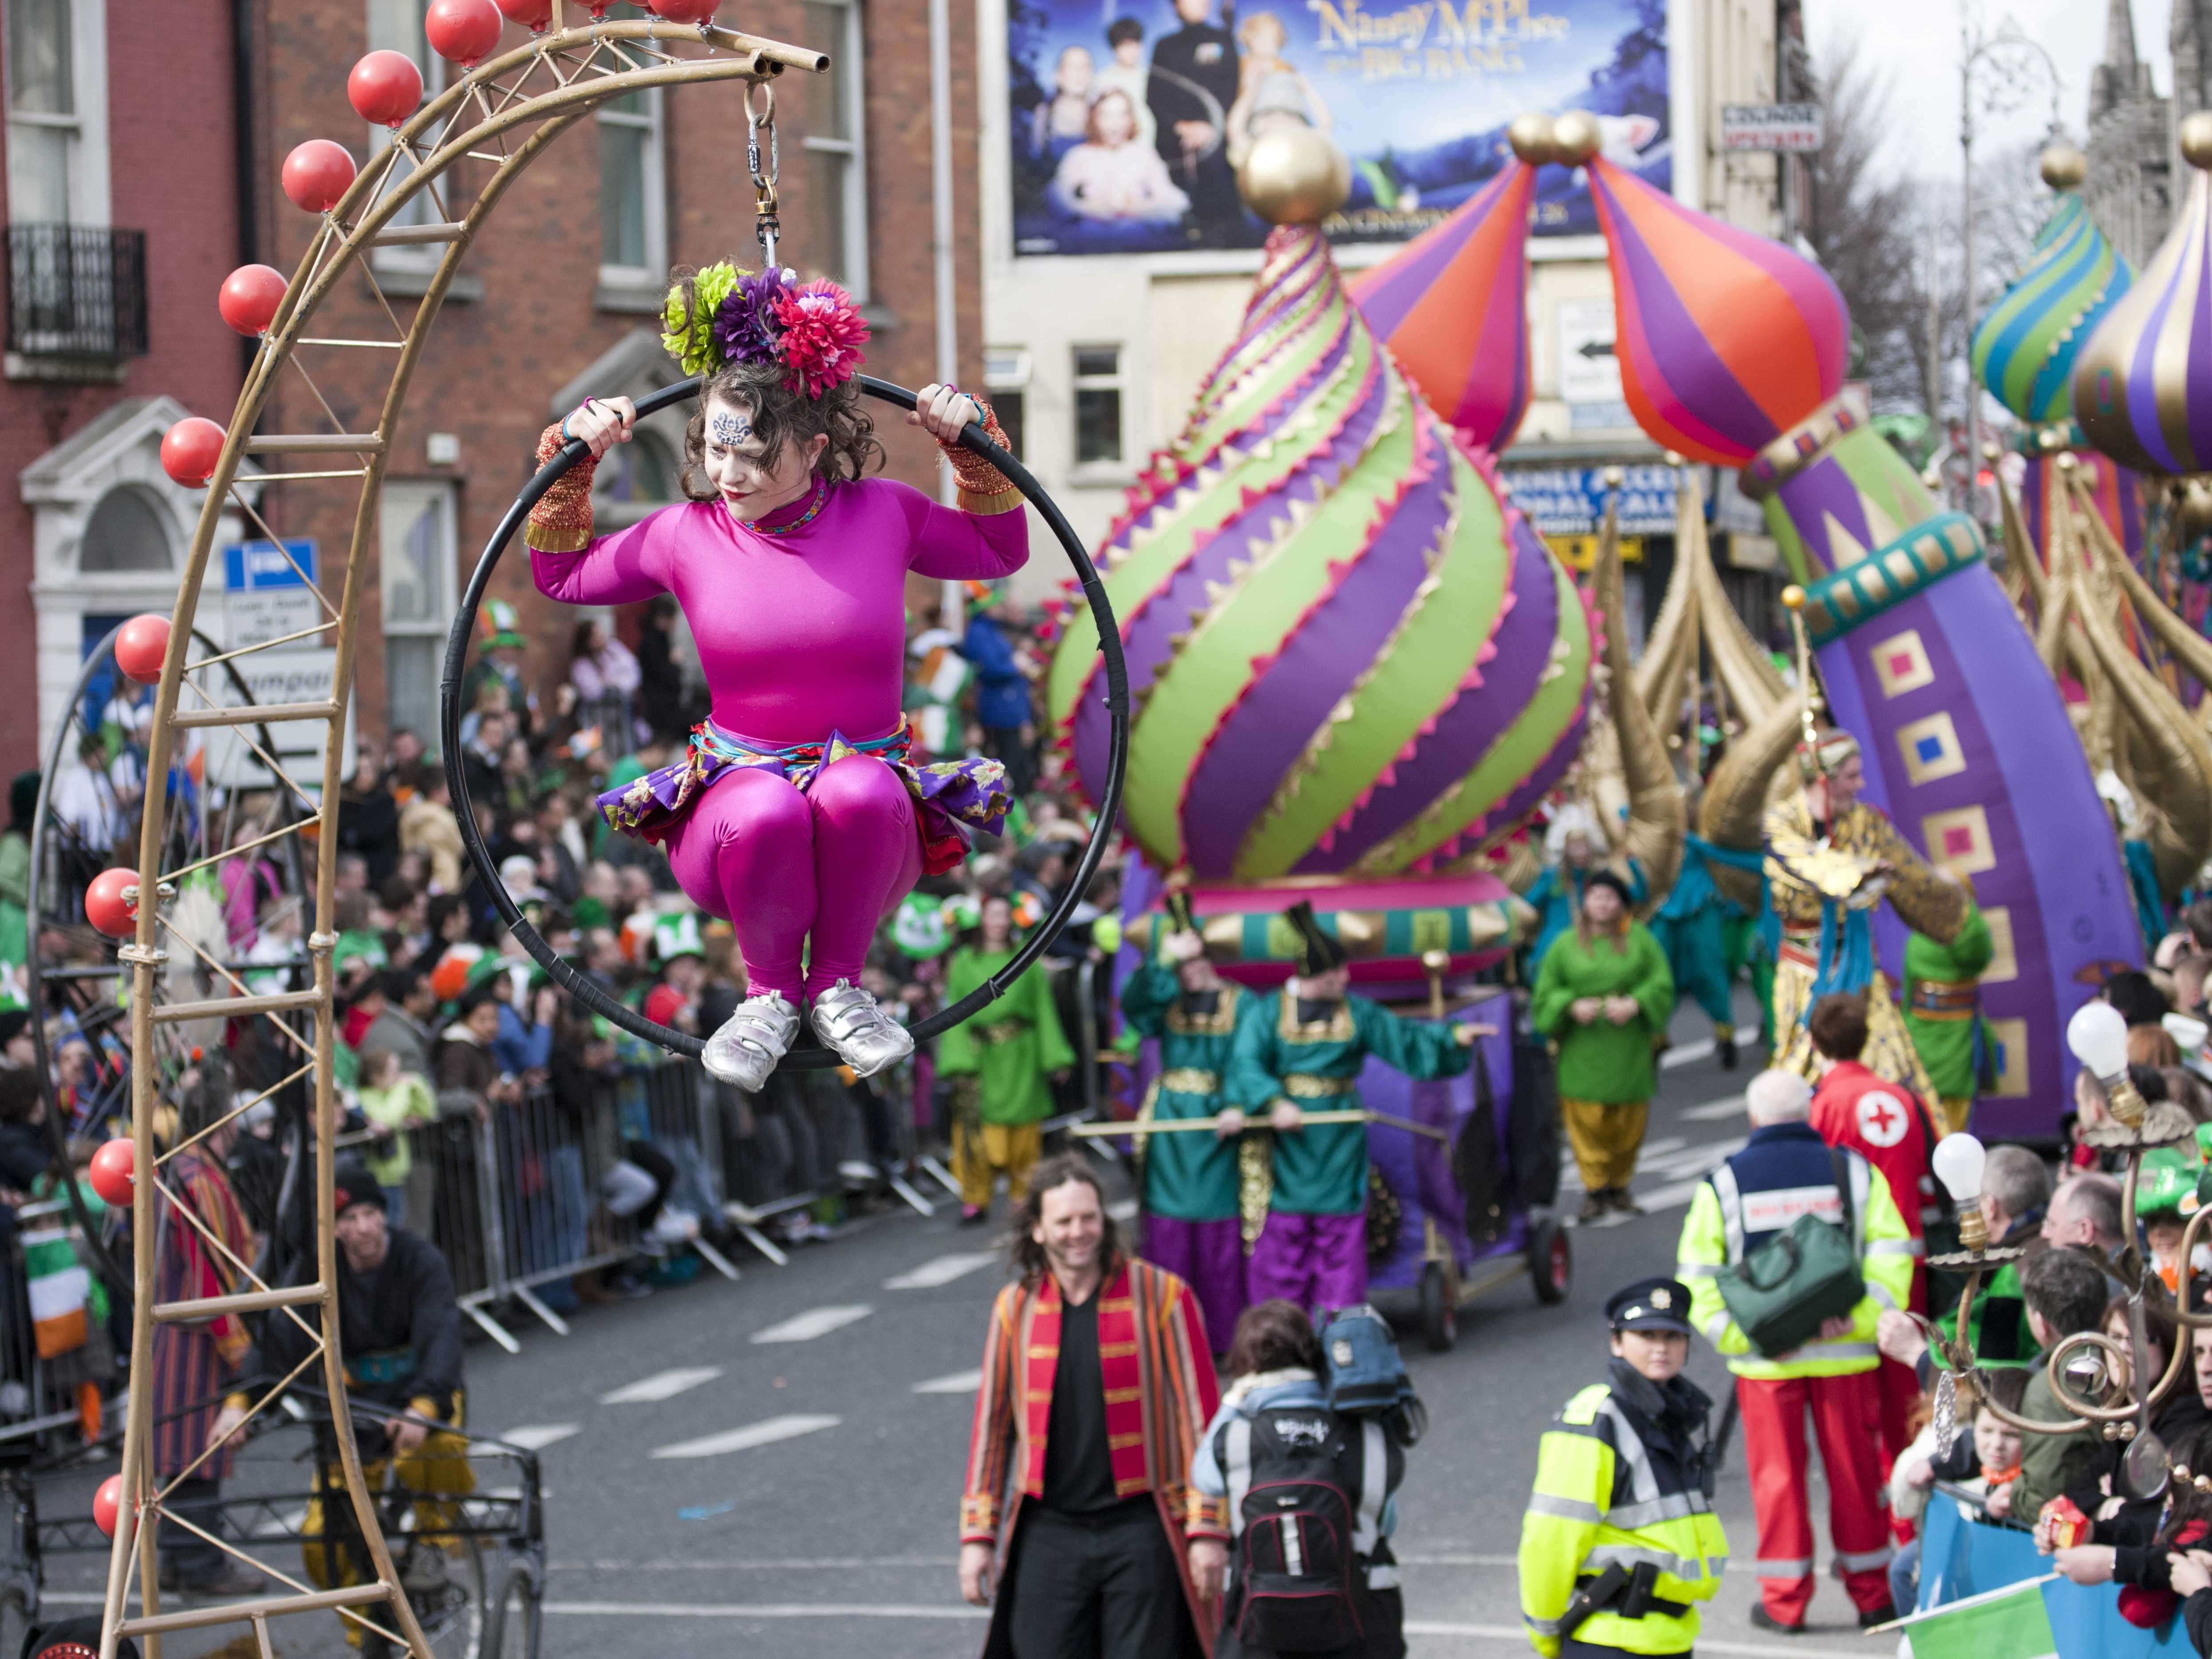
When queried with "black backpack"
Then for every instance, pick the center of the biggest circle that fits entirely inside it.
(1294, 1547)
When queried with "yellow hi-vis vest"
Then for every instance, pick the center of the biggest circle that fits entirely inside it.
(1599, 1498)
(1713, 1239)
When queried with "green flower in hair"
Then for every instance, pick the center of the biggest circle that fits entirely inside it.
(691, 335)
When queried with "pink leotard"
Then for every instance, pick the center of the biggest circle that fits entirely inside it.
(800, 635)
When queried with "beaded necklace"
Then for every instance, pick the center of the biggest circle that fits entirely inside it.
(821, 500)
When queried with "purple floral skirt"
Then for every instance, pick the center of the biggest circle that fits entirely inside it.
(951, 797)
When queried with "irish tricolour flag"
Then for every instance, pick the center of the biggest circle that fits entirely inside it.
(2001, 1623)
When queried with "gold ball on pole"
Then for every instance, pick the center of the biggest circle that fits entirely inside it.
(2064, 167)
(1533, 138)
(1793, 598)
(2195, 135)
(1295, 176)
(1577, 136)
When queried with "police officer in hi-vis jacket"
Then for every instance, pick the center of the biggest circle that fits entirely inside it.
(1619, 1542)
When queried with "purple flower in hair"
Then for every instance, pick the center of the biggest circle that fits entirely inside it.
(746, 323)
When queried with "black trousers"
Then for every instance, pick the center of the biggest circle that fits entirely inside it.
(192, 1556)
(1096, 1587)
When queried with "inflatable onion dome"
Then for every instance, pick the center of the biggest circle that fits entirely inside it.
(1347, 654)
(1726, 339)
(1453, 305)
(2142, 385)
(2025, 349)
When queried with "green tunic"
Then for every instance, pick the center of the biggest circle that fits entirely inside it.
(1010, 1046)
(1323, 1171)
(1947, 1046)
(15, 898)
(1190, 1176)
(1612, 1065)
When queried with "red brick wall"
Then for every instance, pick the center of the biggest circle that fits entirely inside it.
(172, 175)
(493, 363)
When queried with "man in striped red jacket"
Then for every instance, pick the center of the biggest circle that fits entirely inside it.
(1097, 1384)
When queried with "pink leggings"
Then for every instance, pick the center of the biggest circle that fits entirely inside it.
(782, 865)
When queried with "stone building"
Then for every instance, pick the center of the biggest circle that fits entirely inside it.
(2129, 189)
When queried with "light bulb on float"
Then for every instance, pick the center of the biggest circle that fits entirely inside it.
(2098, 1035)
(1958, 1160)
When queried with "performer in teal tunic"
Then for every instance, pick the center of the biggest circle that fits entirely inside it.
(1191, 1216)
(1691, 928)
(1298, 1050)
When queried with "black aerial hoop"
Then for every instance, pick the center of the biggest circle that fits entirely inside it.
(587, 992)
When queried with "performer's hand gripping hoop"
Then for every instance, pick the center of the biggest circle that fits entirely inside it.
(587, 992)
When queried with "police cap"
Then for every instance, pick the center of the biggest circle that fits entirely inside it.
(1651, 1305)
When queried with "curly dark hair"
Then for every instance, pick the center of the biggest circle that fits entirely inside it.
(1029, 1262)
(779, 417)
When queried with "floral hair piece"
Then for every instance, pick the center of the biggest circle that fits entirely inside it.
(815, 332)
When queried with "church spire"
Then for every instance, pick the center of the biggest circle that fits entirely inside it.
(2121, 77)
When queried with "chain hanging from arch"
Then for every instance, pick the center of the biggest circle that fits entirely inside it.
(761, 123)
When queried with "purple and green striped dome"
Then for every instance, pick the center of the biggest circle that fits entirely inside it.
(1348, 655)
(2025, 347)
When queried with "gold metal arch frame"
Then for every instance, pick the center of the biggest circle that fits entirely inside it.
(505, 113)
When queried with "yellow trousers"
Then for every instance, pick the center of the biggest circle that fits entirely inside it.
(982, 1152)
(437, 1469)
(1606, 1139)
(1952, 1112)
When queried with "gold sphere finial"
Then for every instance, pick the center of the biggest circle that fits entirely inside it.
(1793, 598)
(2064, 167)
(1295, 176)
(1673, 458)
(1533, 138)
(2051, 439)
(1614, 478)
(2197, 139)
(1577, 136)
(1932, 476)
(2196, 506)
(2065, 462)
(1991, 450)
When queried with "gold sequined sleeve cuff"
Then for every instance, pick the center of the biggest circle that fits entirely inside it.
(561, 520)
(983, 488)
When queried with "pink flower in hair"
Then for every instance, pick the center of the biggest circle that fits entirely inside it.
(822, 333)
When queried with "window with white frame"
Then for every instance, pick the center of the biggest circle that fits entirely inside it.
(56, 87)
(633, 192)
(396, 26)
(418, 546)
(1097, 405)
(836, 145)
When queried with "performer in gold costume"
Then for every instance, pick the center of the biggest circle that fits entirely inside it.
(1830, 860)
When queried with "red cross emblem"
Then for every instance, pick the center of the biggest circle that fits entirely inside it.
(1882, 1118)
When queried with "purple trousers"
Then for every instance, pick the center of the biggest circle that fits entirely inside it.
(1314, 1261)
(1209, 1257)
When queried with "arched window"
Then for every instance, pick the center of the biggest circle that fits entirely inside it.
(636, 479)
(128, 533)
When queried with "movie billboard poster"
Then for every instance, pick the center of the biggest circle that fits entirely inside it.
(1130, 116)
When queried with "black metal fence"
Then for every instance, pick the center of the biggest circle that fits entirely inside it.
(76, 291)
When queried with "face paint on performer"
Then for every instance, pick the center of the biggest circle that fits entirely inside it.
(753, 484)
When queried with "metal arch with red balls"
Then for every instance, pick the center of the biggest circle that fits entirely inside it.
(192, 450)
(142, 645)
(316, 175)
(250, 297)
(114, 1172)
(462, 31)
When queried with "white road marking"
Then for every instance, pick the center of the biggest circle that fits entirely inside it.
(768, 1610)
(1518, 1637)
(1123, 1209)
(1713, 1111)
(753, 1434)
(815, 1322)
(942, 1270)
(958, 1383)
(285, 1524)
(1683, 1053)
(536, 1437)
(661, 1385)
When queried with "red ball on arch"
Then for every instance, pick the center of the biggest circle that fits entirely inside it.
(462, 31)
(107, 1505)
(250, 298)
(190, 450)
(140, 647)
(113, 1171)
(111, 901)
(386, 88)
(685, 11)
(532, 15)
(317, 174)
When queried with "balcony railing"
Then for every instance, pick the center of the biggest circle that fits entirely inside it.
(76, 291)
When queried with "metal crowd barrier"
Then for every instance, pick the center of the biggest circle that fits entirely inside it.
(39, 1396)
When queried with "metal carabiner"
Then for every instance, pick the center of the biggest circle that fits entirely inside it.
(767, 225)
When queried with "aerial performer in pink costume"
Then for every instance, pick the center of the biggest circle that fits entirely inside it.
(796, 813)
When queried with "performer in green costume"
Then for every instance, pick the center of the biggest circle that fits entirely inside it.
(1942, 1013)
(1690, 927)
(1300, 1049)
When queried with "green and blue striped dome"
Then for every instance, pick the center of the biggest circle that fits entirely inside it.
(2025, 349)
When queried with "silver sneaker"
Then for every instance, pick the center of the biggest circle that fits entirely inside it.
(752, 1041)
(858, 1030)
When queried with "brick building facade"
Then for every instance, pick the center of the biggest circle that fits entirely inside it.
(559, 296)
